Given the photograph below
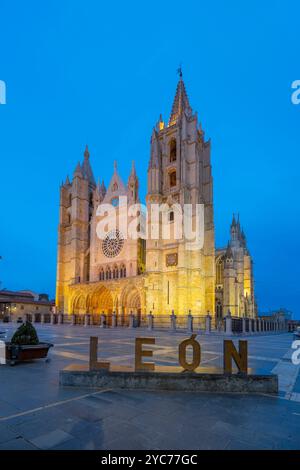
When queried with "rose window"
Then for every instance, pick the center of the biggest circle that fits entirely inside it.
(112, 244)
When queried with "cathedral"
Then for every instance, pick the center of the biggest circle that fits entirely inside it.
(156, 275)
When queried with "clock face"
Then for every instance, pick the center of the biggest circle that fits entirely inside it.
(115, 201)
(113, 244)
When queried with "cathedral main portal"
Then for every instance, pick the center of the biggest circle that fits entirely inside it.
(122, 297)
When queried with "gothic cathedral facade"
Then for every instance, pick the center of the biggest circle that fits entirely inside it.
(161, 274)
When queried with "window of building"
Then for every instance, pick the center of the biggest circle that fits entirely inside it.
(113, 244)
(123, 271)
(172, 179)
(219, 270)
(173, 151)
(171, 216)
(115, 201)
(115, 273)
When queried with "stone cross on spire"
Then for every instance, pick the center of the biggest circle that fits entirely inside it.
(179, 71)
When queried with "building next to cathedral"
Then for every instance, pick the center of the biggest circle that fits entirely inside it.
(158, 275)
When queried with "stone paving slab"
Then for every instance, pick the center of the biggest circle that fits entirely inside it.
(36, 413)
(7, 434)
(51, 439)
(17, 444)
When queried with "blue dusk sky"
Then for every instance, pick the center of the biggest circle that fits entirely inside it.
(100, 73)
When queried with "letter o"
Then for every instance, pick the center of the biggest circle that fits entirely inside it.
(190, 366)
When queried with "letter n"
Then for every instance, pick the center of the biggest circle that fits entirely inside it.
(240, 357)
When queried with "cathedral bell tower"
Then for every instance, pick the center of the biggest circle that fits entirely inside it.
(179, 173)
(76, 207)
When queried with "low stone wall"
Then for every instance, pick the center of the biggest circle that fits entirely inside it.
(203, 380)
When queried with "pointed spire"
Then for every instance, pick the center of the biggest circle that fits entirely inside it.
(238, 227)
(200, 130)
(228, 254)
(243, 239)
(115, 166)
(154, 155)
(133, 172)
(132, 177)
(103, 188)
(67, 181)
(181, 101)
(78, 171)
(160, 124)
(86, 152)
(96, 193)
(233, 223)
(133, 184)
(100, 190)
(87, 169)
(98, 187)
(116, 186)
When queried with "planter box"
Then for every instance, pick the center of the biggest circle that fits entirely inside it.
(20, 353)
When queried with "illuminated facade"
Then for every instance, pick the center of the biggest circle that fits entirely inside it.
(158, 275)
(234, 276)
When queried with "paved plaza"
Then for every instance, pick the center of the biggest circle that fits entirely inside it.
(35, 413)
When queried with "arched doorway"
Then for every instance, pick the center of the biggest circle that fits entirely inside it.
(130, 303)
(79, 309)
(100, 302)
(79, 305)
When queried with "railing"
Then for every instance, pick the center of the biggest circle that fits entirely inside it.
(237, 325)
(230, 325)
(180, 322)
(218, 325)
